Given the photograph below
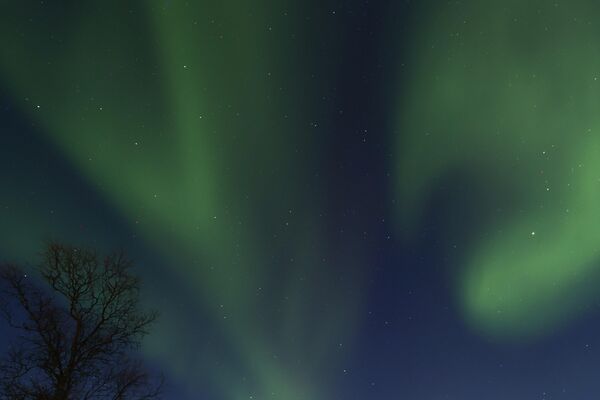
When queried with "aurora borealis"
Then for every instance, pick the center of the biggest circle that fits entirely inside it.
(534, 140)
(326, 200)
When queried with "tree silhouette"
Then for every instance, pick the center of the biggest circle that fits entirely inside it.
(77, 333)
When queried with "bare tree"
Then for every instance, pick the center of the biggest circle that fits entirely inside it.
(77, 334)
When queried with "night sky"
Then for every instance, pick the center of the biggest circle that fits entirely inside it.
(357, 200)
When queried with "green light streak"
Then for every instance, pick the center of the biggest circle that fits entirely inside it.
(509, 93)
(178, 125)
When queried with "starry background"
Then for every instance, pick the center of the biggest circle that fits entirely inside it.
(325, 199)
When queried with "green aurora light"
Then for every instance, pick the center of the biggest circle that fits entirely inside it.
(508, 93)
(197, 144)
